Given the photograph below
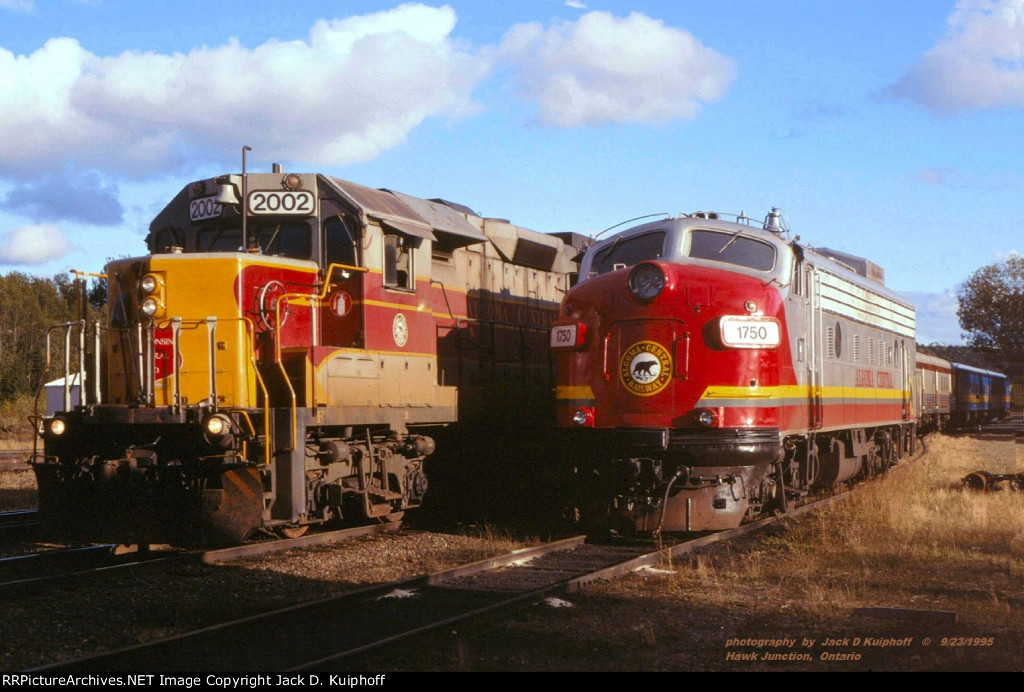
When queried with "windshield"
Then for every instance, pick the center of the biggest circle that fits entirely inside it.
(627, 252)
(281, 239)
(732, 248)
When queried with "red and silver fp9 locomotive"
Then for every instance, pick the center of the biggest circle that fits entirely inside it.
(287, 354)
(711, 368)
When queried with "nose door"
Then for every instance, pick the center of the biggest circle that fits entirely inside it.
(646, 360)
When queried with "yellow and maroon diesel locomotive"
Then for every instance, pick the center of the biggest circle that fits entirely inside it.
(284, 355)
(711, 367)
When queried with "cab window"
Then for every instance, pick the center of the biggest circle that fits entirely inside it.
(339, 243)
(167, 238)
(282, 239)
(732, 248)
(629, 251)
(398, 262)
(219, 239)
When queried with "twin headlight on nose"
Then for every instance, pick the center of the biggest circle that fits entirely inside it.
(151, 290)
(646, 281)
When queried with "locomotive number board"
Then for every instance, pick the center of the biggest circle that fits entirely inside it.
(299, 202)
(750, 332)
(563, 336)
(204, 208)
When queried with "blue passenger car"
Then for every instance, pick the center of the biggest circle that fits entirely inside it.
(979, 396)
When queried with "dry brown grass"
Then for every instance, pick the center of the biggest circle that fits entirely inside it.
(912, 540)
(887, 541)
(18, 490)
(15, 429)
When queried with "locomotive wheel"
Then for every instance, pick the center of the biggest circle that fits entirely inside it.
(391, 518)
(976, 481)
(874, 464)
(293, 531)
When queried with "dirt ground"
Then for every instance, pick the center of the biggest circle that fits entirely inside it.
(918, 574)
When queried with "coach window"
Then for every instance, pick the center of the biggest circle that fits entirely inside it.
(398, 262)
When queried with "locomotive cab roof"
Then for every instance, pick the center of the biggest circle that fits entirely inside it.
(206, 215)
(699, 238)
(763, 250)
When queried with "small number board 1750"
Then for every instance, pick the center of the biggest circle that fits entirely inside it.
(563, 336)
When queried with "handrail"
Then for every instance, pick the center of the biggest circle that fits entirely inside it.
(176, 323)
(211, 330)
(263, 386)
(67, 327)
(447, 304)
(284, 298)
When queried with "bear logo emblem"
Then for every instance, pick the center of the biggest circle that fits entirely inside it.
(645, 368)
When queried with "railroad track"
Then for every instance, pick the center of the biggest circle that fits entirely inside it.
(15, 460)
(19, 518)
(323, 634)
(39, 571)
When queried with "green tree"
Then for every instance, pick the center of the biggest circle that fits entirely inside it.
(29, 306)
(992, 306)
(984, 358)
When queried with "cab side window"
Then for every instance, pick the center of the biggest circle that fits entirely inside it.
(398, 262)
(339, 243)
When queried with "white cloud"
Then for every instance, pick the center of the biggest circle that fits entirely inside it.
(603, 69)
(937, 321)
(353, 88)
(33, 245)
(979, 64)
(575, 4)
(18, 5)
(932, 176)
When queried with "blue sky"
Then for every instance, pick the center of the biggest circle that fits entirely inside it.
(890, 130)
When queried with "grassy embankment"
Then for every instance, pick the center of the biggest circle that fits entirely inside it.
(913, 544)
(17, 488)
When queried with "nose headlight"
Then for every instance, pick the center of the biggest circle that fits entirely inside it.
(149, 307)
(57, 427)
(646, 281)
(149, 284)
(217, 430)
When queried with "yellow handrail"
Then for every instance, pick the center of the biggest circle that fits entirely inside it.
(284, 298)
